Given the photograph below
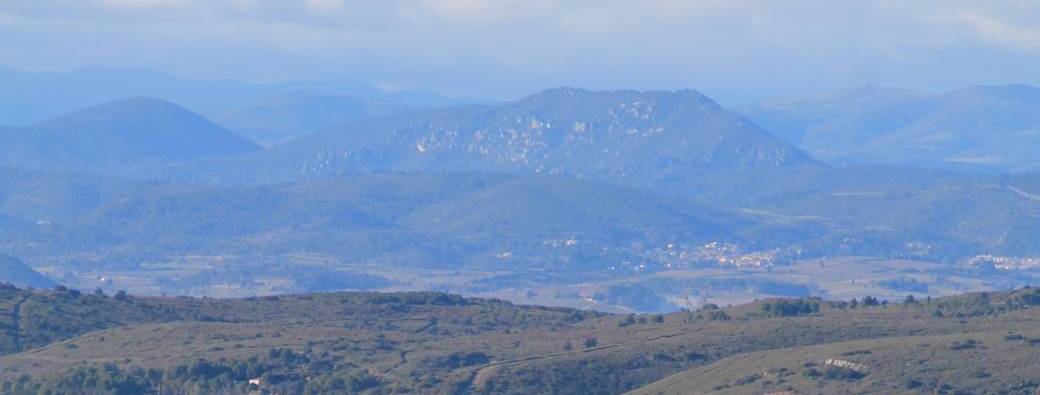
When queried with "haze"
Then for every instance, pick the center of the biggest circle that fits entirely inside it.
(734, 51)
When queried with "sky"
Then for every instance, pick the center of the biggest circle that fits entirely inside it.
(735, 51)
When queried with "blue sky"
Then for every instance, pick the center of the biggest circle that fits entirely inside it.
(736, 51)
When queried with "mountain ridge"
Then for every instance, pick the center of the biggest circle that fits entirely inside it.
(980, 129)
(620, 136)
(27, 97)
(16, 272)
(281, 118)
(119, 133)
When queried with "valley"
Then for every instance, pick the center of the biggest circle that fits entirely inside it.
(309, 197)
(730, 218)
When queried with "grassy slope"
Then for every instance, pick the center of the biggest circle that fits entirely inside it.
(898, 365)
(409, 341)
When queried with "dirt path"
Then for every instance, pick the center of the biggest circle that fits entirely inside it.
(16, 324)
(404, 360)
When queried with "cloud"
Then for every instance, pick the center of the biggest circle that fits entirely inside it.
(143, 3)
(325, 5)
(992, 30)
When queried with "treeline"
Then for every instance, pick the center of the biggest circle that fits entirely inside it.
(790, 308)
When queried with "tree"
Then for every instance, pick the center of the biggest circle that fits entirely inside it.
(910, 300)
(590, 342)
(871, 301)
(121, 295)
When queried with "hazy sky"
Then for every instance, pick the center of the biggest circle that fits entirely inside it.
(732, 50)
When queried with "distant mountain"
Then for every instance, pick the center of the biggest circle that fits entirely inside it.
(856, 115)
(14, 271)
(888, 210)
(284, 117)
(30, 97)
(126, 132)
(984, 128)
(620, 136)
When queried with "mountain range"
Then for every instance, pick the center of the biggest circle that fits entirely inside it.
(30, 97)
(989, 129)
(559, 188)
(627, 137)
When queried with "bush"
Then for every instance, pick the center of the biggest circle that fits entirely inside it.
(912, 384)
(842, 374)
(591, 342)
(461, 360)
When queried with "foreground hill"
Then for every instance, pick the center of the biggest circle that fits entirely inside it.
(971, 363)
(984, 128)
(629, 137)
(443, 344)
(118, 134)
(284, 117)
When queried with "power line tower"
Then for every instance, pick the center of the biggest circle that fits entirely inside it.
(686, 298)
(705, 294)
(689, 303)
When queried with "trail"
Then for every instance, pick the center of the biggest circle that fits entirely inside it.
(16, 317)
(404, 360)
(478, 379)
(430, 324)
